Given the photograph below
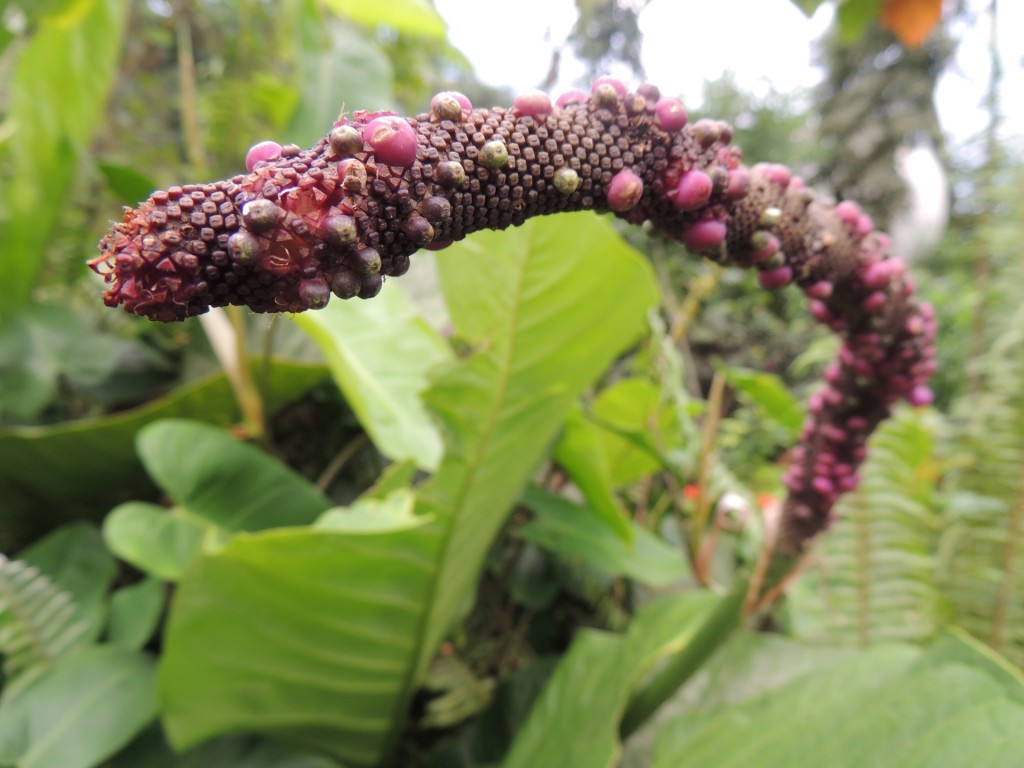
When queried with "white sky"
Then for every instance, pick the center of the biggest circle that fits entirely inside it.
(688, 41)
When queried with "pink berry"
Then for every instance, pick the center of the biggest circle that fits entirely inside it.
(775, 278)
(823, 486)
(704, 235)
(848, 212)
(738, 184)
(693, 190)
(857, 424)
(670, 115)
(625, 191)
(876, 275)
(874, 301)
(574, 96)
(264, 152)
(393, 140)
(849, 482)
(820, 290)
(921, 395)
(778, 174)
(820, 311)
(534, 104)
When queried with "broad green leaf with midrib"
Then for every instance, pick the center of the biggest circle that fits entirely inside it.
(547, 307)
(305, 634)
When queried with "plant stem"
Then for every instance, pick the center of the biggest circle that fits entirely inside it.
(700, 517)
(1008, 568)
(338, 462)
(194, 151)
(678, 668)
(250, 401)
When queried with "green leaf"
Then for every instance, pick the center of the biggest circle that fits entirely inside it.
(579, 451)
(150, 750)
(954, 646)
(76, 560)
(636, 428)
(767, 392)
(548, 306)
(135, 612)
(80, 712)
(890, 705)
(42, 344)
(127, 182)
(83, 468)
(58, 94)
(306, 635)
(225, 481)
(356, 617)
(380, 353)
(411, 17)
(155, 540)
(573, 531)
(588, 692)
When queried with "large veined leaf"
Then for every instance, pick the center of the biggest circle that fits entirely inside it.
(874, 574)
(575, 722)
(548, 306)
(335, 643)
(890, 705)
(305, 634)
(380, 352)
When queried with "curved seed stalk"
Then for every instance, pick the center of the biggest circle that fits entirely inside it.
(336, 219)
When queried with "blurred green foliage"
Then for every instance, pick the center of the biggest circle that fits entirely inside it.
(438, 541)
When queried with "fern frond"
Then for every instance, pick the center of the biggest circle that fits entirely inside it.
(37, 619)
(983, 567)
(874, 578)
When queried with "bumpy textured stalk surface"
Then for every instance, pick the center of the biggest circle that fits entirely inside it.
(338, 218)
